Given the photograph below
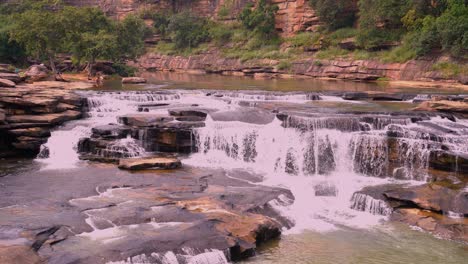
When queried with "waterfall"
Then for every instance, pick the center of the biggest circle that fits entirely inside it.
(103, 109)
(123, 148)
(363, 202)
(324, 161)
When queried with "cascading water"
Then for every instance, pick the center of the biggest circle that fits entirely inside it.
(60, 151)
(323, 161)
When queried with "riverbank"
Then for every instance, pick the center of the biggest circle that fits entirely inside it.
(413, 73)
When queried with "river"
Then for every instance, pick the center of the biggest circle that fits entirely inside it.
(322, 150)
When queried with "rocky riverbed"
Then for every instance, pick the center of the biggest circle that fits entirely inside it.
(188, 176)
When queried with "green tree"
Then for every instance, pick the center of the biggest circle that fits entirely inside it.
(452, 27)
(187, 30)
(335, 13)
(130, 33)
(40, 32)
(89, 35)
(261, 19)
(380, 21)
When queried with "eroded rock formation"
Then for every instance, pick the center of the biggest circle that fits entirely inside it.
(29, 112)
(357, 70)
(293, 15)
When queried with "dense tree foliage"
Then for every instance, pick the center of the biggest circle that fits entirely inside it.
(46, 28)
(187, 30)
(422, 25)
(335, 13)
(260, 19)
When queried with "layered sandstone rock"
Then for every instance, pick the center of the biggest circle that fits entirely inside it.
(293, 15)
(28, 113)
(357, 70)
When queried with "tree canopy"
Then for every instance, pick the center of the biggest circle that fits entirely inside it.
(46, 28)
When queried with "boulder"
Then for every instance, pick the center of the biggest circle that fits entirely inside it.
(144, 120)
(37, 73)
(134, 80)
(150, 163)
(6, 83)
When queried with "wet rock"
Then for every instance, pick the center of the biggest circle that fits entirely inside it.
(440, 225)
(100, 159)
(372, 199)
(144, 120)
(433, 197)
(134, 80)
(190, 119)
(449, 161)
(355, 96)
(111, 131)
(444, 106)
(176, 138)
(18, 254)
(6, 83)
(150, 163)
(249, 115)
(37, 73)
(391, 97)
(188, 112)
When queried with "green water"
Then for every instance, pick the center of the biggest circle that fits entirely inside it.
(174, 80)
(390, 244)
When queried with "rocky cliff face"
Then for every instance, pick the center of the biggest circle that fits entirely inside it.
(293, 15)
(360, 70)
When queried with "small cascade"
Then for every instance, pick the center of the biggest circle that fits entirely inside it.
(366, 203)
(341, 123)
(60, 151)
(270, 96)
(142, 96)
(186, 256)
(369, 154)
(271, 148)
(103, 109)
(123, 148)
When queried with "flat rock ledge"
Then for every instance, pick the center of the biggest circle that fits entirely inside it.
(29, 112)
(439, 208)
(150, 163)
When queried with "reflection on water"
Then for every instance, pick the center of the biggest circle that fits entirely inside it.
(174, 80)
(393, 244)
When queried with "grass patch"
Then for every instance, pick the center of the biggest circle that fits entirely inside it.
(399, 54)
(284, 65)
(331, 53)
(303, 39)
(169, 48)
(334, 38)
(450, 69)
